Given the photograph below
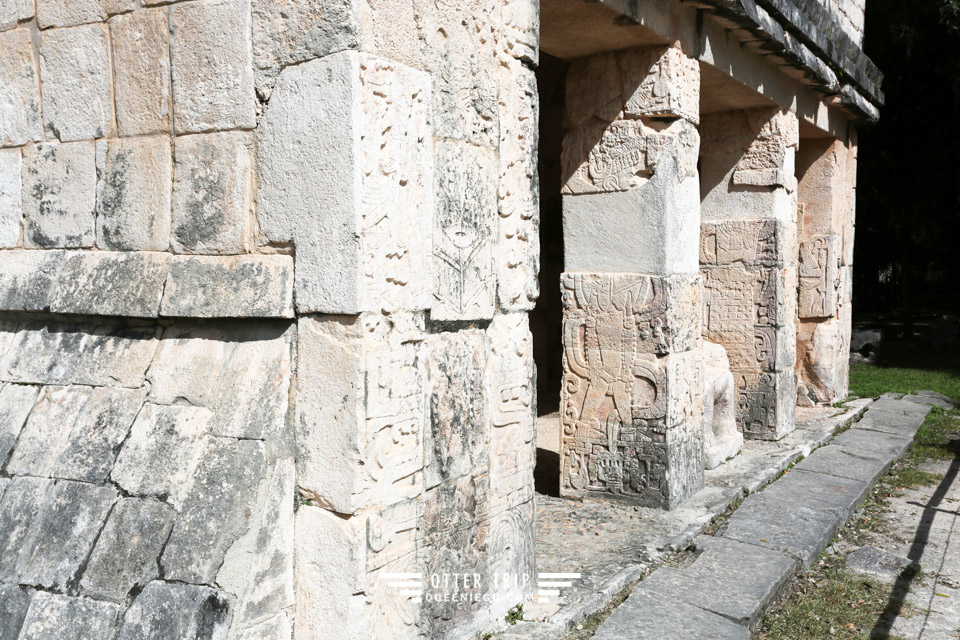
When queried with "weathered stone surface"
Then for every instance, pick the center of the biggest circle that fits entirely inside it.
(111, 283)
(66, 618)
(77, 92)
(47, 431)
(213, 193)
(22, 499)
(931, 399)
(821, 491)
(285, 34)
(217, 511)
(61, 181)
(873, 442)
(114, 7)
(877, 563)
(27, 278)
(721, 439)
(165, 610)
(163, 451)
(661, 83)
(212, 66)
(766, 404)
(16, 402)
(14, 603)
(11, 211)
(846, 463)
(666, 620)
(62, 534)
(140, 43)
(20, 117)
(188, 365)
(229, 287)
(367, 446)
(366, 247)
(819, 276)
(521, 30)
(51, 13)
(769, 160)
(464, 233)
(748, 243)
(133, 194)
(15, 11)
(127, 550)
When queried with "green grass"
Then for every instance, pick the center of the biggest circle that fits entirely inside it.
(870, 381)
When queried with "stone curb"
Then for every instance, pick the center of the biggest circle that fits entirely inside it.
(776, 532)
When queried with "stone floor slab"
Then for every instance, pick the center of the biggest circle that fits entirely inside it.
(873, 442)
(930, 399)
(905, 426)
(820, 491)
(647, 615)
(846, 463)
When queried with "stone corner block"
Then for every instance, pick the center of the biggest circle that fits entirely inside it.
(111, 284)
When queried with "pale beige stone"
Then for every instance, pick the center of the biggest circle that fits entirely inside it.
(188, 365)
(77, 92)
(661, 83)
(60, 181)
(593, 90)
(390, 31)
(819, 269)
(11, 211)
(111, 283)
(521, 29)
(114, 7)
(212, 193)
(133, 194)
(141, 56)
(57, 13)
(212, 66)
(20, 116)
(721, 438)
(15, 11)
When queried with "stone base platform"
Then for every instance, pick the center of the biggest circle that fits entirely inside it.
(611, 544)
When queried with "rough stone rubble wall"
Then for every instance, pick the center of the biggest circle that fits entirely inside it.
(361, 178)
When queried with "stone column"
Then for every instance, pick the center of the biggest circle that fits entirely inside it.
(748, 260)
(631, 403)
(827, 171)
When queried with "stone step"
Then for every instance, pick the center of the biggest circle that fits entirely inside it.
(726, 590)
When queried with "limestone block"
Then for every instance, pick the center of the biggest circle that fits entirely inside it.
(133, 194)
(188, 365)
(287, 33)
(61, 181)
(459, 46)
(464, 229)
(277, 627)
(766, 404)
(511, 553)
(366, 447)
(77, 92)
(170, 610)
(63, 533)
(355, 198)
(212, 67)
(51, 13)
(216, 512)
(229, 287)
(390, 30)
(111, 283)
(141, 40)
(114, 7)
(67, 618)
(16, 402)
(593, 90)
(127, 550)
(11, 211)
(14, 604)
(661, 83)
(721, 439)
(770, 158)
(15, 11)
(458, 434)
(27, 279)
(163, 451)
(750, 243)
(819, 270)
(20, 117)
(213, 193)
(22, 499)
(521, 30)
(823, 368)
(518, 252)
(74, 432)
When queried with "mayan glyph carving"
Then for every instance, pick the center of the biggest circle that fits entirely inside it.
(819, 276)
(748, 242)
(661, 83)
(769, 161)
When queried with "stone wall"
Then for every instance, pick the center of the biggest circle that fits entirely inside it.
(850, 14)
(349, 189)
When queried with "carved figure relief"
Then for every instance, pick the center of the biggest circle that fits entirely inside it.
(661, 82)
(819, 276)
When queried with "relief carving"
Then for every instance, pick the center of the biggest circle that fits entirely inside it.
(819, 276)
(662, 83)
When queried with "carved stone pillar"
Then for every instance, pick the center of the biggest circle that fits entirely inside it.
(748, 260)
(632, 397)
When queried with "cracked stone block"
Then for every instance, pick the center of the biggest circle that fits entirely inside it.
(11, 211)
(663, 618)
(16, 402)
(285, 34)
(128, 549)
(14, 603)
(212, 193)
(66, 618)
(165, 610)
(229, 287)
(21, 120)
(27, 279)
(61, 182)
(75, 432)
(62, 534)
(217, 511)
(878, 563)
(77, 92)
(111, 283)
(212, 66)
(365, 447)
(15, 11)
(370, 249)
(22, 500)
(838, 461)
(114, 7)
(133, 194)
(163, 451)
(142, 82)
(188, 365)
(53, 13)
